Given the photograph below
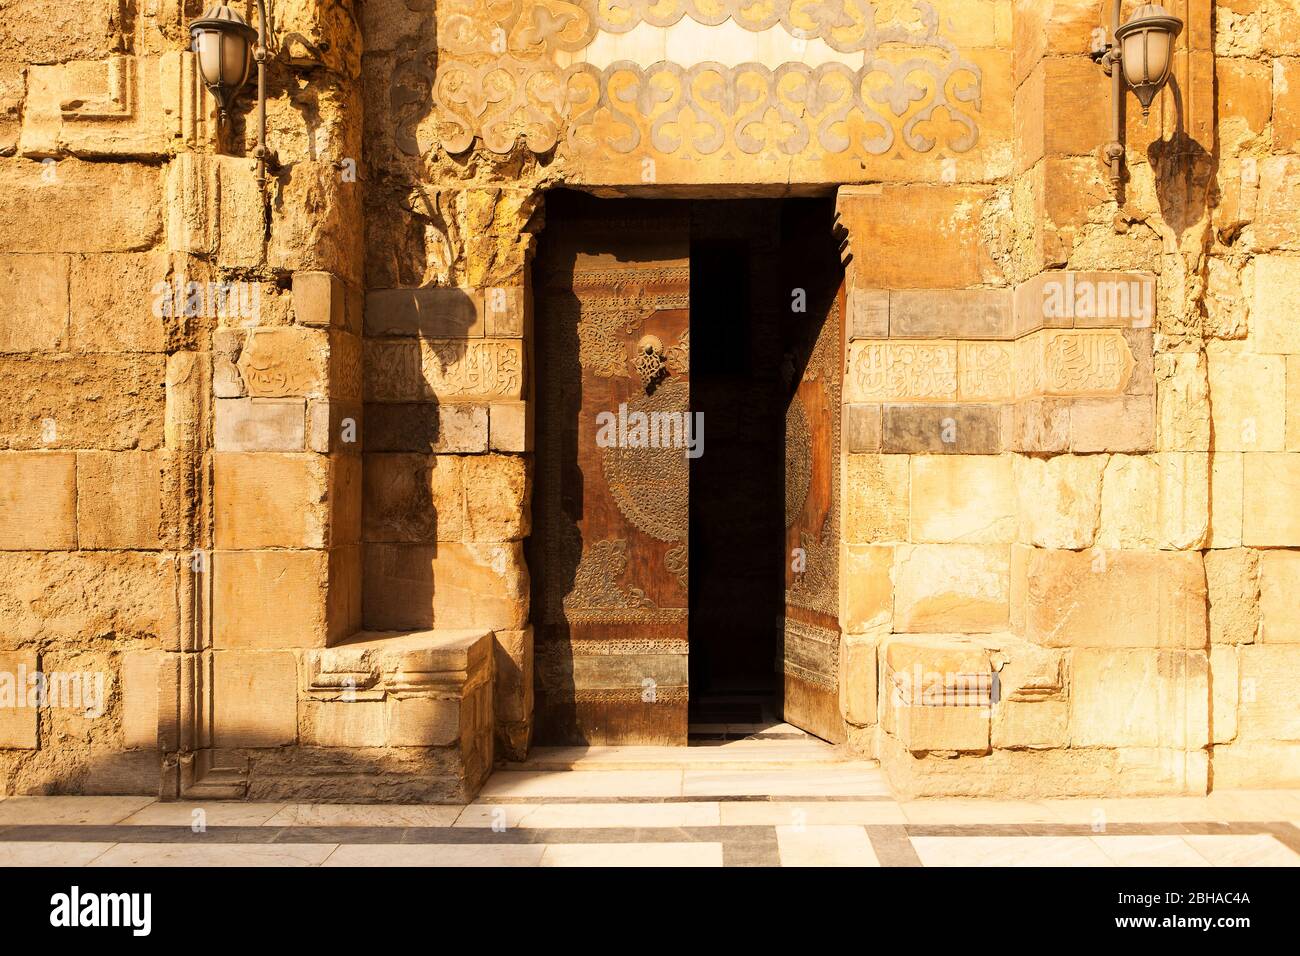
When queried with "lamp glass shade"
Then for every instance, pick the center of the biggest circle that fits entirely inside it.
(223, 46)
(1147, 50)
(224, 58)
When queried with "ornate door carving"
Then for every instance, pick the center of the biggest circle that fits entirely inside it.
(611, 516)
(811, 644)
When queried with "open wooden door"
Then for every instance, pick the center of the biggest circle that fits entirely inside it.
(811, 641)
(609, 545)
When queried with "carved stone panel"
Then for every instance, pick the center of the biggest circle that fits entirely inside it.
(751, 91)
(448, 370)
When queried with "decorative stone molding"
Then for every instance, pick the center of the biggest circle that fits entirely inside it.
(123, 106)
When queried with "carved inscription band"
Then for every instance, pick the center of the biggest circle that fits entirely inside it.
(707, 107)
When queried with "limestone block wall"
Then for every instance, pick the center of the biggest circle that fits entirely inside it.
(1074, 462)
(181, 457)
(290, 536)
(98, 474)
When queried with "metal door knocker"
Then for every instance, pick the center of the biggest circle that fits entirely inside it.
(650, 362)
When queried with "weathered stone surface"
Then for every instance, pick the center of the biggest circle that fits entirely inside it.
(413, 498)
(44, 207)
(282, 599)
(1038, 425)
(334, 426)
(258, 691)
(1227, 497)
(1247, 392)
(119, 503)
(1037, 725)
(1059, 500)
(140, 699)
(1139, 698)
(1233, 582)
(358, 723)
(862, 429)
(1268, 678)
(868, 314)
(497, 499)
(1225, 693)
(942, 429)
(876, 498)
(1123, 424)
(1182, 402)
(18, 723)
(1257, 765)
(1111, 599)
(858, 678)
(316, 222)
(260, 424)
(1279, 597)
(1245, 101)
(956, 314)
(1270, 518)
(1055, 87)
(117, 301)
(60, 596)
(279, 363)
(426, 313)
(122, 106)
(951, 588)
(1179, 486)
(271, 501)
(1293, 403)
(1274, 325)
(888, 224)
(512, 691)
(1286, 103)
(966, 499)
(412, 586)
(1084, 300)
(38, 494)
(927, 696)
(33, 303)
(214, 206)
(867, 601)
(1278, 208)
(110, 402)
(510, 426)
(318, 300)
(426, 427)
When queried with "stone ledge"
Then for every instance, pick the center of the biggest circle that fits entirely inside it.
(416, 689)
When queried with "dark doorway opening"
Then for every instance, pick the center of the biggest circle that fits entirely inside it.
(755, 264)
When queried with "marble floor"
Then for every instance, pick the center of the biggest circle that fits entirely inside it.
(733, 804)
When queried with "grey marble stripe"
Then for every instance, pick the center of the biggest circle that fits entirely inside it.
(892, 846)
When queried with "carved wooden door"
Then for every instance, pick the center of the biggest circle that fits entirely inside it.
(811, 644)
(611, 517)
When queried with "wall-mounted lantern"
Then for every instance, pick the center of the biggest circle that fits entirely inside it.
(1140, 54)
(226, 47)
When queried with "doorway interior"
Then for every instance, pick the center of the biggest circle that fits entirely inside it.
(763, 274)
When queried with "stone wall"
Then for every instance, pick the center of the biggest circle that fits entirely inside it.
(1105, 524)
(287, 528)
